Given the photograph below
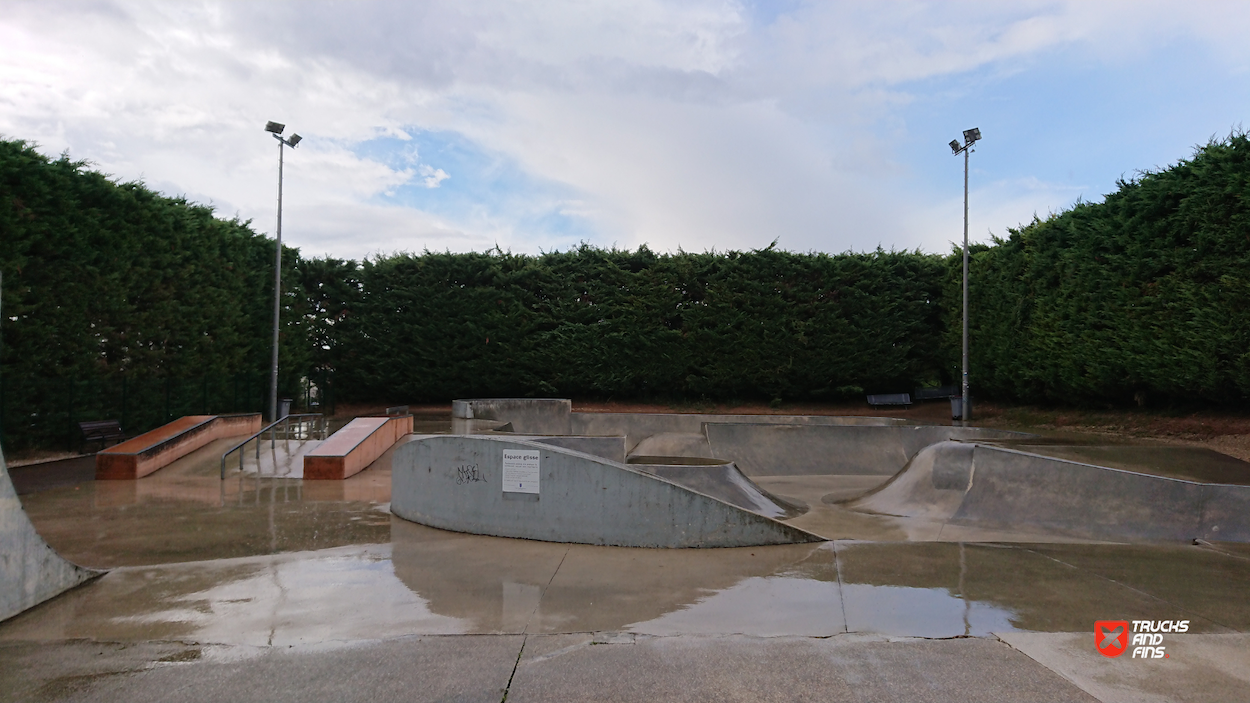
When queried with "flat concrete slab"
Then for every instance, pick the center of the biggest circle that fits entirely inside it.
(576, 667)
(408, 669)
(428, 581)
(1199, 668)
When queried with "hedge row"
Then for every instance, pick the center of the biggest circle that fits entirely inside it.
(104, 281)
(1146, 295)
(591, 322)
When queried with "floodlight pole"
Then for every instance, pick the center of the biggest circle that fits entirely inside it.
(971, 137)
(277, 293)
(963, 407)
(276, 130)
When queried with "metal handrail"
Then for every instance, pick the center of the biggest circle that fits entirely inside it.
(322, 425)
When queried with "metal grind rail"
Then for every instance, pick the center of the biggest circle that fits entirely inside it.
(306, 426)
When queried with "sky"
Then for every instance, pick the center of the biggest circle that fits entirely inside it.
(698, 125)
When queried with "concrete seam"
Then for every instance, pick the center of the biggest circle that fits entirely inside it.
(837, 565)
(515, 664)
(542, 595)
(972, 472)
(1060, 674)
(1201, 527)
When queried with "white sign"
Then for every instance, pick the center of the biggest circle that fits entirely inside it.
(520, 470)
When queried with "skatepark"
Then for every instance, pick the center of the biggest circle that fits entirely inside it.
(656, 555)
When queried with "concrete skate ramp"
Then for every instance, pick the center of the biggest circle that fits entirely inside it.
(610, 448)
(789, 450)
(456, 483)
(30, 572)
(687, 444)
(976, 485)
(724, 482)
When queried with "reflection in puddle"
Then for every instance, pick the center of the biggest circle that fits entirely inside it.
(303, 601)
(920, 612)
(771, 606)
(520, 602)
(435, 582)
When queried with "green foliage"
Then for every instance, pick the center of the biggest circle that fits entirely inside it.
(591, 322)
(105, 280)
(1144, 295)
(117, 299)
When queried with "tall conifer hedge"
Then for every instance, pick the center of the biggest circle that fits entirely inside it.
(1144, 296)
(105, 281)
(762, 324)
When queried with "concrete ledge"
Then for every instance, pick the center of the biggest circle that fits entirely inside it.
(456, 483)
(150, 451)
(354, 447)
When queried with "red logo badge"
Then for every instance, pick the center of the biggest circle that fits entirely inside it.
(1111, 637)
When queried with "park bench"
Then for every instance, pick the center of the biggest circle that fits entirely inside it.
(397, 411)
(101, 431)
(938, 393)
(903, 399)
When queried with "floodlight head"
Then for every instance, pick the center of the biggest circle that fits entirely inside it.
(295, 139)
(954, 147)
(972, 135)
(275, 127)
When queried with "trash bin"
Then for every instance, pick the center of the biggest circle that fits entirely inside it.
(284, 407)
(956, 409)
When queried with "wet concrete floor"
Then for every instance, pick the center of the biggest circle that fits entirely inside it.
(428, 581)
(265, 579)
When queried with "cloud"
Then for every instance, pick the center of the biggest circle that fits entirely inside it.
(430, 176)
(698, 124)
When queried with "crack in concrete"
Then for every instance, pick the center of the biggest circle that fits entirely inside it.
(539, 604)
(517, 663)
(837, 565)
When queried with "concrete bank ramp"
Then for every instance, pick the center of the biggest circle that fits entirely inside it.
(724, 482)
(30, 571)
(977, 485)
(457, 483)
